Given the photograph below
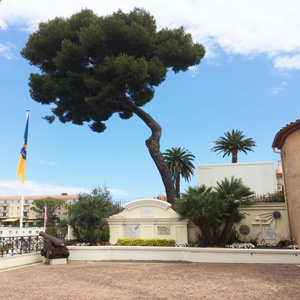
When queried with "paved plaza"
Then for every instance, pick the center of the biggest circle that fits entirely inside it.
(116, 280)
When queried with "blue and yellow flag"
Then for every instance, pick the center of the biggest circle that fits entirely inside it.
(22, 161)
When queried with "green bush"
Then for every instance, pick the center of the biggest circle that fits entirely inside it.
(269, 197)
(146, 242)
(104, 236)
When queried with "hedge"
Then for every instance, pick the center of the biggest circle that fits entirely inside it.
(146, 242)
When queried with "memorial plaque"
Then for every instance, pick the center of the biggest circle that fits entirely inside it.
(131, 231)
(147, 211)
(270, 233)
(163, 230)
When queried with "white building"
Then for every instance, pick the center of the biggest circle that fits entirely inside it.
(259, 176)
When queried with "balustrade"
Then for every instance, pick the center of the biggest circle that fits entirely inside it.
(20, 244)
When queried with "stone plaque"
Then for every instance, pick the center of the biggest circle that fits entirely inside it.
(270, 233)
(163, 230)
(147, 211)
(131, 231)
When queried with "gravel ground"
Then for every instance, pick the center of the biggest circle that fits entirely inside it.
(119, 280)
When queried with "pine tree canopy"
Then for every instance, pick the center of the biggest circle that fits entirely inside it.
(89, 62)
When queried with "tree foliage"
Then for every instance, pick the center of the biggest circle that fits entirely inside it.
(87, 215)
(179, 161)
(232, 143)
(51, 204)
(214, 211)
(92, 67)
(233, 192)
(205, 209)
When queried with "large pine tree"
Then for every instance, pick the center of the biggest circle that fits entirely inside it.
(92, 67)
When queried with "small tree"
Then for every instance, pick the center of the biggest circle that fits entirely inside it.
(87, 215)
(233, 143)
(214, 211)
(205, 209)
(51, 205)
(179, 162)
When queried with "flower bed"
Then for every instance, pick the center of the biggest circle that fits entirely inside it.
(261, 246)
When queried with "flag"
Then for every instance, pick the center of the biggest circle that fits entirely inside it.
(22, 161)
(46, 215)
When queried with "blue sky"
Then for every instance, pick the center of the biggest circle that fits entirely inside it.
(249, 80)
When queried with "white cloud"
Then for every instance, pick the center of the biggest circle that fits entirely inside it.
(278, 89)
(193, 70)
(269, 27)
(34, 188)
(288, 62)
(118, 192)
(6, 50)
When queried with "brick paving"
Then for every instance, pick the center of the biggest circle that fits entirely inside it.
(140, 281)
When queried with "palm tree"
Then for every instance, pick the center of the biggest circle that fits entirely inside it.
(231, 192)
(205, 209)
(232, 143)
(179, 162)
(87, 216)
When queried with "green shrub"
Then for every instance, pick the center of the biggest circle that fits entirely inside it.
(269, 197)
(146, 242)
(104, 236)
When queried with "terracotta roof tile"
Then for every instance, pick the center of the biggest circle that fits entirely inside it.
(284, 132)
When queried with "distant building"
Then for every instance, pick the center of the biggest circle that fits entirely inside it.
(162, 197)
(279, 176)
(10, 209)
(259, 176)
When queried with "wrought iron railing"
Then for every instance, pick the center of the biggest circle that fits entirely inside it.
(269, 197)
(16, 245)
(121, 202)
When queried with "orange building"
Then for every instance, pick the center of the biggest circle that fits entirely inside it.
(287, 140)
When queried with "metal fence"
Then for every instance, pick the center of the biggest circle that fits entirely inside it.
(17, 245)
(269, 197)
(122, 202)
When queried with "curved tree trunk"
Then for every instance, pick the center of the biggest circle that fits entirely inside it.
(234, 153)
(153, 145)
(177, 185)
(205, 228)
(225, 235)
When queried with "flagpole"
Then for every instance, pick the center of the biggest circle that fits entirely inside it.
(22, 199)
(45, 218)
(22, 209)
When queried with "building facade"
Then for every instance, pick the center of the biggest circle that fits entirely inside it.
(10, 209)
(287, 141)
(258, 176)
